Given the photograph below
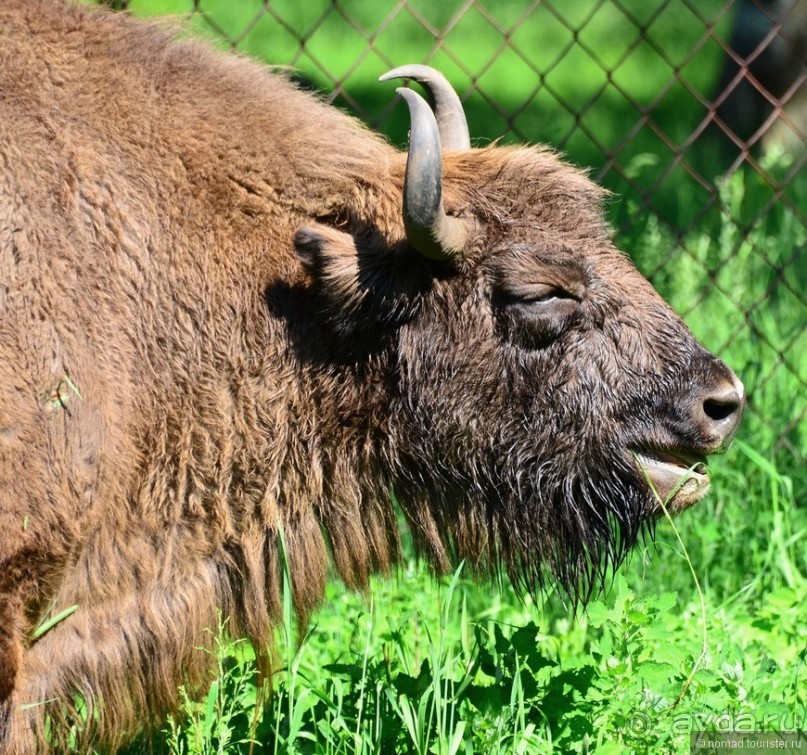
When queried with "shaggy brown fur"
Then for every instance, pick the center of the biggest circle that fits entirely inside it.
(212, 327)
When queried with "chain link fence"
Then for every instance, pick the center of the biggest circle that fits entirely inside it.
(694, 112)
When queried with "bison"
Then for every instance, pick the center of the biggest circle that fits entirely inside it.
(230, 313)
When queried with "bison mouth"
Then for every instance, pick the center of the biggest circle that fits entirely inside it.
(678, 478)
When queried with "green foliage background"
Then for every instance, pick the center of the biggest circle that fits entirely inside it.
(707, 627)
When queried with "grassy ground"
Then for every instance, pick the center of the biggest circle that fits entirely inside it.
(706, 628)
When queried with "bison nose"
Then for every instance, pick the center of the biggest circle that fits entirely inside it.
(722, 409)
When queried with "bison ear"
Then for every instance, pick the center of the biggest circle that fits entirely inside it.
(321, 246)
(360, 282)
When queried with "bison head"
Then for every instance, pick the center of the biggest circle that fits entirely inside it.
(546, 402)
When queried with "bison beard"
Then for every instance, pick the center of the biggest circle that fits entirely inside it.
(533, 521)
(229, 311)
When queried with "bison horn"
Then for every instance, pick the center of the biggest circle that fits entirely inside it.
(446, 104)
(429, 229)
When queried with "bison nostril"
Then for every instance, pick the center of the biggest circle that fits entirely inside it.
(720, 409)
(723, 409)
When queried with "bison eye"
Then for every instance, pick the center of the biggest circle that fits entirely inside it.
(536, 315)
(541, 292)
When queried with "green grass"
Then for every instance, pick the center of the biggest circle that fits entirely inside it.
(706, 628)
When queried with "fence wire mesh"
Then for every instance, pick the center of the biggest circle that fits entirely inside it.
(694, 112)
